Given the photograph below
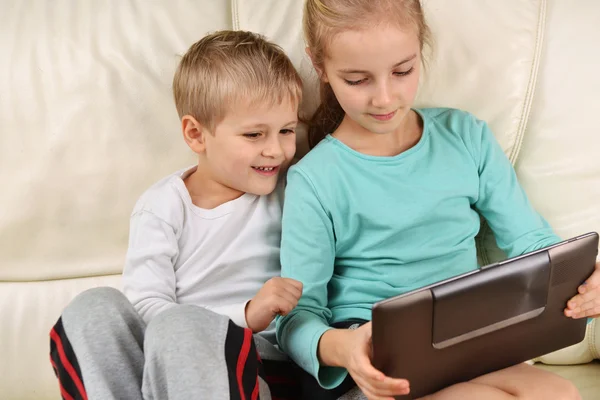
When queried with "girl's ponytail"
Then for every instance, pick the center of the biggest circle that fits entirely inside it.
(327, 118)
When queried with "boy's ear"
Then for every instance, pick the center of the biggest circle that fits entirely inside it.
(320, 72)
(194, 134)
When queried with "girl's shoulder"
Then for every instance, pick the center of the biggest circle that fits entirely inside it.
(447, 116)
(453, 122)
(318, 156)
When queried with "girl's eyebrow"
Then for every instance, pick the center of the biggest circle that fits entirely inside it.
(358, 71)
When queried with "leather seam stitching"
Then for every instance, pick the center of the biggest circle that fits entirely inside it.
(527, 104)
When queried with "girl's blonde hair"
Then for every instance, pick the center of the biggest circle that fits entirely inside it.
(324, 19)
(228, 68)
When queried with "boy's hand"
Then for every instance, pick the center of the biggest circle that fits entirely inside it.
(373, 383)
(587, 302)
(278, 296)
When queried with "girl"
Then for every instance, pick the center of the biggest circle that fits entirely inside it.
(387, 201)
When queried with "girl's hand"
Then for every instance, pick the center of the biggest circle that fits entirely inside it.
(373, 383)
(587, 302)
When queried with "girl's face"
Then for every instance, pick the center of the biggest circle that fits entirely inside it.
(374, 74)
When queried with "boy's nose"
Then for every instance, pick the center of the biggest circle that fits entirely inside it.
(273, 149)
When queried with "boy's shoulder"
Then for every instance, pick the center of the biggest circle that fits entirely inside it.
(164, 199)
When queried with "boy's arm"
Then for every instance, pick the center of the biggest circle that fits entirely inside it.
(518, 228)
(307, 255)
(149, 274)
(236, 312)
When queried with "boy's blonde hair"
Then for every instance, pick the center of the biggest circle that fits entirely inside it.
(228, 68)
(324, 19)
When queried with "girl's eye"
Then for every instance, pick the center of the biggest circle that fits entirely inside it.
(354, 83)
(252, 135)
(286, 131)
(404, 73)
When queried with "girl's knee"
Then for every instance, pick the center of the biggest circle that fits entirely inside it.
(556, 388)
(563, 389)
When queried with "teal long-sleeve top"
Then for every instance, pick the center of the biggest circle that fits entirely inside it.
(358, 229)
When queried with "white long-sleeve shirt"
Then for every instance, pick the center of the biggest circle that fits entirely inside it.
(217, 259)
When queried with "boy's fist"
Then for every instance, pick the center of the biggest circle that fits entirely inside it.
(278, 296)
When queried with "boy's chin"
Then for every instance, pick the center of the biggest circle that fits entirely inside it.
(263, 188)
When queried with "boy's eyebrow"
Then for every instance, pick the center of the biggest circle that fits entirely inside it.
(358, 71)
(265, 126)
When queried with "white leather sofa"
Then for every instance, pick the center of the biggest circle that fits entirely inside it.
(87, 123)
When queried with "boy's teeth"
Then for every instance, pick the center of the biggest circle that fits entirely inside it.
(265, 169)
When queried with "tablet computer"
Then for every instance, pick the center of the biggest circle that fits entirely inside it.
(485, 320)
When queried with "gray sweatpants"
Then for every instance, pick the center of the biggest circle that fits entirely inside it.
(179, 355)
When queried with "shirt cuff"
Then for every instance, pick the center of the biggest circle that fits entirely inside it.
(235, 312)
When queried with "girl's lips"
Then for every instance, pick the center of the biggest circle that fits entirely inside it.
(383, 117)
(266, 171)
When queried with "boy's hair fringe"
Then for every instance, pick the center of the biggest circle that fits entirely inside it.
(228, 68)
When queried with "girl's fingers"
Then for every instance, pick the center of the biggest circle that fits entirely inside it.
(369, 391)
(368, 371)
(380, 384)
(391, 387)
(590, 313)
(585, 304)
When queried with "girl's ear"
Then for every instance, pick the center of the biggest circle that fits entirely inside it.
(320, 71)
(194, 134)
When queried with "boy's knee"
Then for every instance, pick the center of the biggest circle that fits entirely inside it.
(185, 319)
(95, 305)
(182, 324)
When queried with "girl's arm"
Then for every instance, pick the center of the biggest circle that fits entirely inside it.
(518, 228)
(307, 255)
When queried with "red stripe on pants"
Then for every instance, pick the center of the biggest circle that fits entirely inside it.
(65, 361)
(242, 360)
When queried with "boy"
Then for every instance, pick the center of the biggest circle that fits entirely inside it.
(201, 274)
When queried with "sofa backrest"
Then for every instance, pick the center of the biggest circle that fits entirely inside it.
(87, 123)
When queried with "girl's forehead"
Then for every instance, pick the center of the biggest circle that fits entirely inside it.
(380, 45)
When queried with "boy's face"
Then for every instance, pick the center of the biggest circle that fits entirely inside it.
(251, 147)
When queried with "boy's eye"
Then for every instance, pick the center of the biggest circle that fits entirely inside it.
(286, 131)
(251, 135)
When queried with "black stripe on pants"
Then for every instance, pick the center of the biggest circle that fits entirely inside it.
(65, 365)
(282, 377)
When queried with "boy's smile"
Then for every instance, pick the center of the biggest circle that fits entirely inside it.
(267, 170)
